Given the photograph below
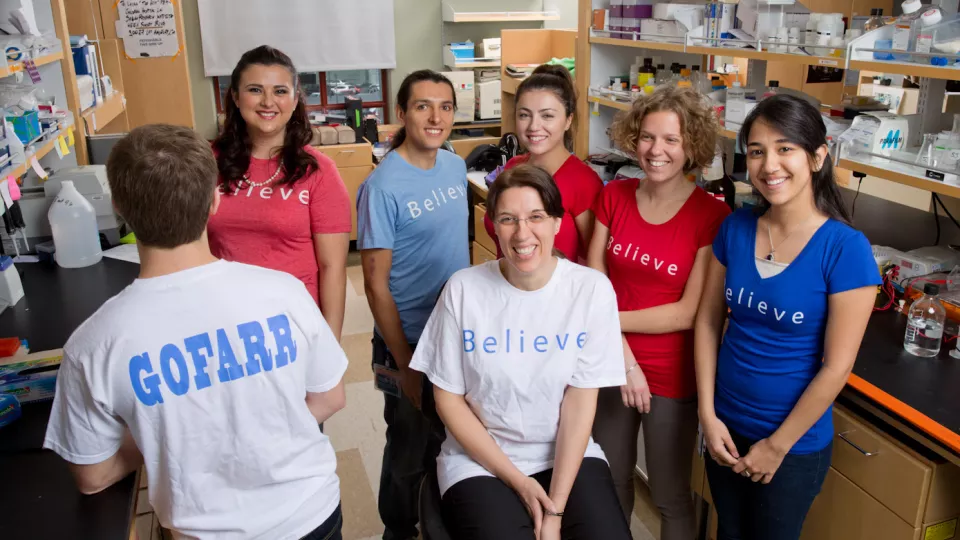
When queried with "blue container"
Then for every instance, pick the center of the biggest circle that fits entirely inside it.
(463, 50)
(27, 127)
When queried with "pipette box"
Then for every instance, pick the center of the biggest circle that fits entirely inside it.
(31, 377)
(27, 127)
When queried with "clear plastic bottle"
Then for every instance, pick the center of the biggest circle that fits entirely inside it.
(825, 29)
(634, 70)
(925, 324)
(924, 39)
(905, 29)
(74, 224)
(736, 103)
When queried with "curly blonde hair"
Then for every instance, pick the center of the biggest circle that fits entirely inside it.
(698, 123)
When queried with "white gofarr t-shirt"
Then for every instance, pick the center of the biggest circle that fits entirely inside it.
(512, 353)
(209, 368)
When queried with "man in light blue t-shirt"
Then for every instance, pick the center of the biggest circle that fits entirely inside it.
(412, 216)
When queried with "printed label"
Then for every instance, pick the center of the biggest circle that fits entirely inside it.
(901, 37)
(941, 531)
(924, 42)
(828, 62)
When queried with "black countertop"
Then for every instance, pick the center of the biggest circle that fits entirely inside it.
(928, 386)
(41, 500)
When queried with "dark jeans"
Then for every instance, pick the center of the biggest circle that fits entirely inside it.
(413, 442)
(774, 511)
(329, 529)
(484, 508)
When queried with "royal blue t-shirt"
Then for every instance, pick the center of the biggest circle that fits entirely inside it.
(773, 347)
(421, 215)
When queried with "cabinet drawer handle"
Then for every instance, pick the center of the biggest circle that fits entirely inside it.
(345, 152)
(843, 435)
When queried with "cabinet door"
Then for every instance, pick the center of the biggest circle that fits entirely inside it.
(352, 178)
(843, 511)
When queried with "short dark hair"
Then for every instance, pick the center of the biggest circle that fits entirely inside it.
(529, 176)
(403, 97)
(163, 178)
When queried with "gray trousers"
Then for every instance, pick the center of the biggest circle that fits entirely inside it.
(669, 437)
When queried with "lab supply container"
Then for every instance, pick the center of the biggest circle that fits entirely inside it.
(73, 222)
(945, 35)
(925, 324)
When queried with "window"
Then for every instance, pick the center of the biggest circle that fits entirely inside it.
(326, 92)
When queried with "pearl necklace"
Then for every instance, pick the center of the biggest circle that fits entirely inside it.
(265, 182)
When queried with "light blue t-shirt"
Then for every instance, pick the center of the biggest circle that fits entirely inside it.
(773, 347)
(421, 215)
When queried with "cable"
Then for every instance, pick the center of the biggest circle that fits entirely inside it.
(936, 217)
(945, 209)
(853, 208)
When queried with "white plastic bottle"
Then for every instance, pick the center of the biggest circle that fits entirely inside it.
(734, 110)
(925, 324)
(810, 34)
(74, 224)
(825, 29)
(905, 29)
(634, 71)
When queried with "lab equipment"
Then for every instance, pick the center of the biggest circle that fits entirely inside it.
(925, 324)
(73, 222)
(91, 182)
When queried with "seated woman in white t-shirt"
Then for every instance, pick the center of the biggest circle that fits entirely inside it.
(516, 350)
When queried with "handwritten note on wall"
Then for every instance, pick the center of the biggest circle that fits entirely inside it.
(148, 28)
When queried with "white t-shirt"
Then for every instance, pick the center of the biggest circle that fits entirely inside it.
(512, 353)
(209, 368)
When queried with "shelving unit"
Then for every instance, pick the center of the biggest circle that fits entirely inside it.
(32, 151)
(450, 14)
(17, 67)
(855, 58)
(96, 118)
(478, 124)
(531, 47)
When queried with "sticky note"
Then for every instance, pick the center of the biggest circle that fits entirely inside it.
(63, 146)
(5, 193)
(56, 146)
(70, 140)
(14, 187)
(37, 168)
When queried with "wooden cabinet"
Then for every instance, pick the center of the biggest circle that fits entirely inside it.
(481, 254)
(879, 488)
(354, 162)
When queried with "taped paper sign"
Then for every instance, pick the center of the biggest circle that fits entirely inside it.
(62, 144)
(148, 28)
(37, 168)
(70, 140)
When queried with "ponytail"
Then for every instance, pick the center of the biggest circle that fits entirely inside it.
(556, 79)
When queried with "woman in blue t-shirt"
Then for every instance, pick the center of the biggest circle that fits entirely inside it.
(800, 285)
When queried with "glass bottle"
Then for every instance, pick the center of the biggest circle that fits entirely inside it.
(875, 21)
(925, 324)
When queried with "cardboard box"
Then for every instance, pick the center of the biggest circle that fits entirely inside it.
(877, 132)
(464, 93)
(31, 377)
(488, 100)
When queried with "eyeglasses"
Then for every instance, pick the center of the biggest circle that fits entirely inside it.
(513, 221)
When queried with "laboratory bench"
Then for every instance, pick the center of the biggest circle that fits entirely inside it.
(41, 500)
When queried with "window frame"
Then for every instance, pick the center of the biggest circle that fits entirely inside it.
(384, 103)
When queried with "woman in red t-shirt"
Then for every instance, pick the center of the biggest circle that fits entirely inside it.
(546, 108)
(653, 238)
(283, 204)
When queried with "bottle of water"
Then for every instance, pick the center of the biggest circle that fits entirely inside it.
(925, 324)
(73, 221)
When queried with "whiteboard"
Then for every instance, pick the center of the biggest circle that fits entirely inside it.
(319, 35)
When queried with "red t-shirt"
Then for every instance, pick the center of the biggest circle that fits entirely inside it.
(273, 226)
(649, 266)
(579, 186)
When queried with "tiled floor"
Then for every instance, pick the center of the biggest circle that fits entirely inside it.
(357, 432)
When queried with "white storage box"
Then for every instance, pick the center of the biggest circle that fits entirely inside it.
(658, 30)
(488, 100)
(491, 48)
(464, 94)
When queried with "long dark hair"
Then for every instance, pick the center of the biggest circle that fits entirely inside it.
(556, 79)
(403, 97)
(233, 145)
(800, 123)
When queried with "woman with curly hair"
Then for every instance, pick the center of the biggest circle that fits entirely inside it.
(283, 205)
(652, 238)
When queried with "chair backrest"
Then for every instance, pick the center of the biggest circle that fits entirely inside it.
(431, 514)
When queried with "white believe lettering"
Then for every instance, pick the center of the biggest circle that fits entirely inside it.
(645, 259)
(439, 197)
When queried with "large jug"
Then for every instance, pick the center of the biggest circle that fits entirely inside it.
(74, 224)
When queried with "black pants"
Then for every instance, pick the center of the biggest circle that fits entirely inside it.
(329, 529)
(484, 508)
(750, 510)
(413, 442)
